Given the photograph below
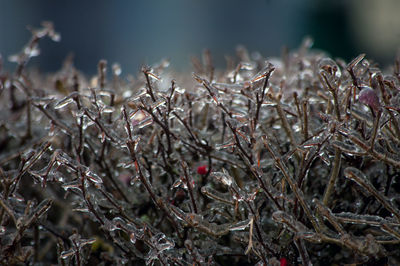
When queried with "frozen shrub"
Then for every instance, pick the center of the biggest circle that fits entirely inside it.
(266, 162)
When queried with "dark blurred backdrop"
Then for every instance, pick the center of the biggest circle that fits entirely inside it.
(137, 32)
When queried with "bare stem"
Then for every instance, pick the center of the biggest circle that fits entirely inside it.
(293, 186)
(189, 186)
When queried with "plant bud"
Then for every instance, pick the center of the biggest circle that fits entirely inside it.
(368, 97)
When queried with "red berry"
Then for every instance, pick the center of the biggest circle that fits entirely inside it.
(202, 170)
(283, 262)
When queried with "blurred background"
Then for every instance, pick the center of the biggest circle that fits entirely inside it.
(133, 33)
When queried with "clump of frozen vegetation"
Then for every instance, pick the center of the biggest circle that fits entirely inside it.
(293, 160)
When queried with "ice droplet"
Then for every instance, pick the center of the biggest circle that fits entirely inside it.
(2, 230)
(127, 94)
(72, 186)
(240, 225)
(64, 102)
(116, 68)
(14, 58)
(93, 177)
(153, 76)
(145, 122)
(32, 51)
(108, 109)
(67, 253)
(55, 37)
(158, 104)
(356, 175)
(162, 243)
(105, 93)
(247, 65)
(79, 113)
(135, 180)
(84, 210)
(224, 178)
(110, 226)
(84, 242)
(140, 94)
(132, 238)
(177, 183)
(180, 90)
(224, 145)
